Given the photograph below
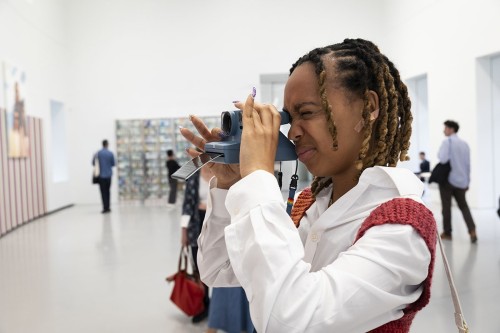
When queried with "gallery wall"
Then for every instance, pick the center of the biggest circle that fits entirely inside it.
(22, 180)
(108, 60)
(157, 59)
(33, 38)
(445, 40)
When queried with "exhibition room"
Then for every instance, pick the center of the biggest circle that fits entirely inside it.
(94, 95)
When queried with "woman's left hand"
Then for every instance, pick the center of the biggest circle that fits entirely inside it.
(259, 139)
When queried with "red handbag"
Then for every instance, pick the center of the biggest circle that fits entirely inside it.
(188, 291)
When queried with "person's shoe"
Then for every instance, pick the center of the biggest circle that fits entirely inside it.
(446, 236)
(106, 211)
(200, 316)
(473, 236)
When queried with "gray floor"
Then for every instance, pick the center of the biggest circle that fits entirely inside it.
(80, 271)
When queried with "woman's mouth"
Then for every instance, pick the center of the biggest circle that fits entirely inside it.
(305, 154)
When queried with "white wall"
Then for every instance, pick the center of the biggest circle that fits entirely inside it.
(138, 59)
(33, 36)
(443, 39)
(108, 60)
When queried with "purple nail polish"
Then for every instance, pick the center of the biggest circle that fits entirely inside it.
(222, 135)
(254, 92)
(234, 102)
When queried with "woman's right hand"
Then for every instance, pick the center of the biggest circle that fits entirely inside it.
(226, 174)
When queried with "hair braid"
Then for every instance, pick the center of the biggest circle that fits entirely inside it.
(358, 66)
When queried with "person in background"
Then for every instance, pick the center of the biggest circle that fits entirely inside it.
(425, 166)
(228, 308)
(357, 253)
(457, 152)
(106, 163)
(194, 208)
(498, 211)
(172, 167)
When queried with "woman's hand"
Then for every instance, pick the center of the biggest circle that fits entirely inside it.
(226, 174)
(259, 139)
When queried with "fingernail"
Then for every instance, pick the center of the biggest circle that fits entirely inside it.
(180, 128)
(191, 116)
(234, 102)
(222, 135)
(254, 92)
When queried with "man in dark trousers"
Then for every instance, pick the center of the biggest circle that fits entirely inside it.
(172, 167)
(424, 166)
(106, 161)
(456, 151)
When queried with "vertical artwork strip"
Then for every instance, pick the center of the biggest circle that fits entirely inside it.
(39, 169)
(33, 169)
(3, 190)
(24, 193)
(29, 187)
(44, 198)
(17, 189)
(12, 194)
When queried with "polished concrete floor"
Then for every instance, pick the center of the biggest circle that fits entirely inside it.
(80, 271)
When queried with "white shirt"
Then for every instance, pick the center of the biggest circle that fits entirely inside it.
(312, 279)
(457, 152)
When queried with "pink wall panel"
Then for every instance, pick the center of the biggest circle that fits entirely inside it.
(22, 180)
(39, 173)
(42, 164)
(34, 182)
(3, 165)
(29, 188)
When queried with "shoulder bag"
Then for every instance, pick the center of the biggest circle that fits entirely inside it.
(188, 291)
(441, 171)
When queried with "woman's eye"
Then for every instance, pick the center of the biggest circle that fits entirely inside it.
(306, 114)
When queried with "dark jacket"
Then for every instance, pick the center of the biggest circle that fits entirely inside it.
(190, 207)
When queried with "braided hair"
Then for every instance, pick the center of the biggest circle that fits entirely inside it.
(358, 67)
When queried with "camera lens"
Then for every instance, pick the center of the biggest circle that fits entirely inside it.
(226, 122)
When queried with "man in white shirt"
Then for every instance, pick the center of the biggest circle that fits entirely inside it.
(457, 152)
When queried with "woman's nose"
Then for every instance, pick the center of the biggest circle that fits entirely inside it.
(295, 132)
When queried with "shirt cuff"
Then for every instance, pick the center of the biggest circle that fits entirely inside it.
(185, 221)
(257, 188)
(216, 199)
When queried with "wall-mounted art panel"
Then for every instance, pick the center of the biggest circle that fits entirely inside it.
(17, 128)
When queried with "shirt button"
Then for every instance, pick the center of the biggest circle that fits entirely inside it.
(314, 237)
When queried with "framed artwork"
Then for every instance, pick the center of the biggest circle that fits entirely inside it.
(17, 127)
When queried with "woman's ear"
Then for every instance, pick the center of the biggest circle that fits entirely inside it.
(373, 104)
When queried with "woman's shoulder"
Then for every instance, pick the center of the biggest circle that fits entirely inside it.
(399, 178)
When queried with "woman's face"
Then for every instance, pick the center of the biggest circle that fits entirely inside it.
(309, 127)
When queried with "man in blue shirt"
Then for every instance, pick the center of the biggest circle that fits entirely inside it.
(106, 161)
(456, 151)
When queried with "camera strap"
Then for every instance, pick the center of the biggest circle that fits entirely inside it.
(292, 188)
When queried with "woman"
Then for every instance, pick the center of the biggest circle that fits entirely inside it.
(362, 256)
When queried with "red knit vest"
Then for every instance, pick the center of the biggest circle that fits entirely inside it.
(396, 211)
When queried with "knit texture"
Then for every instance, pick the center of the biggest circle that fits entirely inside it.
(409, 212)
(303, 202)
(396, 211)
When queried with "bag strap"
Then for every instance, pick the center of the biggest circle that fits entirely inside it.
(182, 255)
(459, 317)
(183, 262)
